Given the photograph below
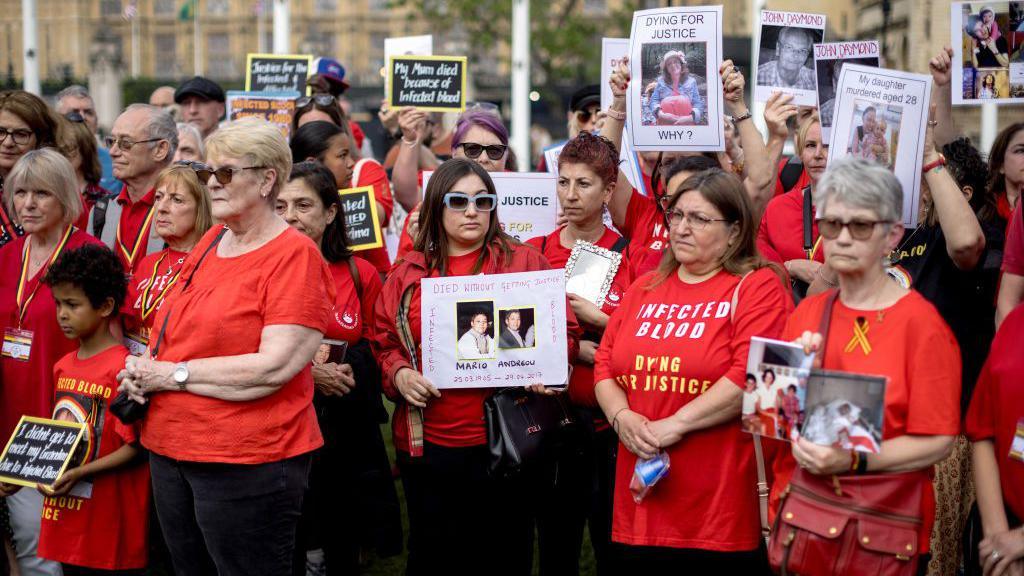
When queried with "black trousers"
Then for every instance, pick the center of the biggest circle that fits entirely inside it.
(229, 519)
(684, 561)
(462, 521)
(71, 570)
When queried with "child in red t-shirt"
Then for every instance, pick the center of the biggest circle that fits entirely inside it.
(95, 516)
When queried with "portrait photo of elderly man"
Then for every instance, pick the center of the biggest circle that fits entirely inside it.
(787, 63)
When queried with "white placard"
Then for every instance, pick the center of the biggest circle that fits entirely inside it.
(406, 46)
(829, 60)
(527, 202)
(612, 51)
(785, 61)
(882, 115)
(495, 330)
(676, 111)
(988, 52)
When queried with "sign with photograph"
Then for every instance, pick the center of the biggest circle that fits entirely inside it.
(527, 202)
(39, 451)
(406, 46)
(277, 72)
(881, 115)
(775, 388)
(590, 270)
(427, 82)
(495, 330)
(829, 60)
(675, 98)
(278, 109)
(612, 52)
(845, 410)
(362, 226)
(988, 52)
(785, 59)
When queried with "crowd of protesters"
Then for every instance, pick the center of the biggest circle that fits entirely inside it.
(173, 286)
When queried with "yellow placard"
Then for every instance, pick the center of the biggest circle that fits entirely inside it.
(357, 229)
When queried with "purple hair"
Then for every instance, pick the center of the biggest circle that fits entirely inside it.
(485, 120)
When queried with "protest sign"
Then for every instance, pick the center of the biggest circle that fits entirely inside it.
(675, 100)
(612, 51)
(495, 330)
(277, 72)
(785, 60)
(427, 82)
(527, 202)
(406, 46)
(829, 60)
(362, 226)
(988, 52)
(882, 115)
(39, 451)
(278, 108)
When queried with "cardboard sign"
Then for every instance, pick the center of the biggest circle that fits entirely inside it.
(527, 202)
(785, 58)
(829, 60)
(362, 225)
(496, 330)
(277, 108)
(612, 52)
(675, 98)
(39, 451)
(427, 82)
(881, 115)
(277, 72)
(988, 52)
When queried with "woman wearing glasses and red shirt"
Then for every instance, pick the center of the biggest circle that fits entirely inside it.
(460, 517)
(26, 123)
(670, 373)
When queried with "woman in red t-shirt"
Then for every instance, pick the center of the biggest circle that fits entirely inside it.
(995, 424)
(587, 169)
(353, 464)
(26, 123)
(182, 217)
(231, 424)
(877, 327)
(462, 520)
(670, 372)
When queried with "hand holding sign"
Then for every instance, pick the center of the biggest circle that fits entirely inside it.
(416, 389)
(64, 483)
(733, 84)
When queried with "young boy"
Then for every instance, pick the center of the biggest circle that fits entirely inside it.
(95, 517)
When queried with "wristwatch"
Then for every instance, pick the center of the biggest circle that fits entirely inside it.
(737, 119)
(180, 375)
(940, 161)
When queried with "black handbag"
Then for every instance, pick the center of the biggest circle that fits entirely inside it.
(523, 427)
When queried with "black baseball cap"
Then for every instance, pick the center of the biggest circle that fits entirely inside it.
(199, 86)
(585, 97)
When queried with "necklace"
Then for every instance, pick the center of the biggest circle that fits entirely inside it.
(896, 255)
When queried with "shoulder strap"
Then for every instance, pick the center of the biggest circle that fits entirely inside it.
(762, 488)
(543, 244)
(823, 326)
(808, 220)
(356, 279)
(621, 244)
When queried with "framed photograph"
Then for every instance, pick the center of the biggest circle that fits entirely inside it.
(775, 388)
(518, 327)
(845, 410)
(988, 52)
(475, 334)
(331, 352)
(590, 270)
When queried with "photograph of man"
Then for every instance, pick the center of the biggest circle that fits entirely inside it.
(516, 329)
(790, 67)
(987, 52)
(476, 342)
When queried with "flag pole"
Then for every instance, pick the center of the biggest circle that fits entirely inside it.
(197, 61)
(521, 82)
(30, 50)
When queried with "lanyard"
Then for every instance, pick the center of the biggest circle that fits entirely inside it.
(814, 250)
(143, 234)
(157, 299)
(23, 300)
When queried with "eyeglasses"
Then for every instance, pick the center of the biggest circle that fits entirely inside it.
(125, 143)
(20, 137)
(460, 202)
(224, 174)
(583, 116)
(798, 50)
(75, 117)
(196, 166)
(830, 228)
(320, 100)
(494, 151)
(695, 220)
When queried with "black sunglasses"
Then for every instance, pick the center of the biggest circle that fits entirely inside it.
(224, 174)
(320, 100)
(75, 117)
(494, 151)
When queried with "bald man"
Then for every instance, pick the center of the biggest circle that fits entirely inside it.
(162, 97)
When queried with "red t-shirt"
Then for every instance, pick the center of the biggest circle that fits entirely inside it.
(108, 530)
(665, 347)
(645, 227)
(154, 277)
(1013, 256)
(133, 228)
(581, 383)
(351, 319)
(369, 172)
(780, 237)
(222, 313)
(914, 348)
(27, 387)
(998, 405)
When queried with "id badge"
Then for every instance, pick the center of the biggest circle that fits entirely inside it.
(1017, 446)
(17, 344)
(136, 343)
